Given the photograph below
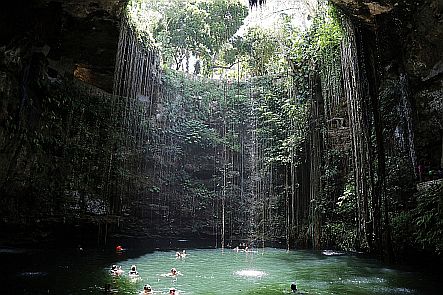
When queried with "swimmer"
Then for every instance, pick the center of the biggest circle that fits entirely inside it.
(293, 287)
(133, 271)
(172, 291)
(113, 268)
(295, 290)
(172, 273)
(147, 290)
(119, 271)
(181, 254)
(119, 248)
(116, 270)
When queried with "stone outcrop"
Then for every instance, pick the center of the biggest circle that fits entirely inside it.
(77, 38)
(364, 10)
(407, 39)
(419, 24)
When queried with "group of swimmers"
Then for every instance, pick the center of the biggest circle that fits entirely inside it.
(147, 289)
(181, 254)
(243, 248)
(237, 249)
(117, 270)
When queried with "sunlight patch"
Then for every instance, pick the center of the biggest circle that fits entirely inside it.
(249, 273)
(333, 253)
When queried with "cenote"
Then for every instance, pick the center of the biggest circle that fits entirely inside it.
(295, 124)
(265, 271)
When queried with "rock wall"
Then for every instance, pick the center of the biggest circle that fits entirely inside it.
(46, 47)
(399, 49)
(78, 38)
(45, 43)
(404, 40)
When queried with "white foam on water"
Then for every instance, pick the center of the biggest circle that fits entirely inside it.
(333, 253)
(250, 273)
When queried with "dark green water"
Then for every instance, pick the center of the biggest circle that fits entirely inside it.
(209, 271)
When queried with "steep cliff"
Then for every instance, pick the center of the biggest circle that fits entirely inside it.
(46, 49)
(59, 138)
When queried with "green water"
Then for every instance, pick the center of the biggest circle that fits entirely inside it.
(211, 271)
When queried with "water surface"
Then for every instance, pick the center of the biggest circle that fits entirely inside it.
(210, 271)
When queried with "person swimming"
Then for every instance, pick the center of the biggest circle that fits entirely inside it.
(147, 290)
(172, 273)
(181, 254)
(295, 290)
(133, 271)
(172, 291)
(293, 287)
(116, 270)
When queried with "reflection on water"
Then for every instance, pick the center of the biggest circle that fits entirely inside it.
(250, 273)
(332, 253)
(33, 274)
(208, 271)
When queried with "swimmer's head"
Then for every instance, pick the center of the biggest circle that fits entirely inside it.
(133, 267)
(114, 267)
(171, 290)
(147, 288)
(293, 287)
(173, 270)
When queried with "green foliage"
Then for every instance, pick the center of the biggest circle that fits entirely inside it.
(327, 31)
(339, 230)
(257, 48)
(224, 17)
(66, 142)
(402, 232)
(428, 218)
(347, 202)
(421, 226)
(197, 133)
(340, 235)
(200, 109)
(183, 28)
(400, 185)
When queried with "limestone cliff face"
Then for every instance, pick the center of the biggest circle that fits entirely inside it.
(76, 37)
(45, 42)
(418, 26)
(43, 45)
(405, 39)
